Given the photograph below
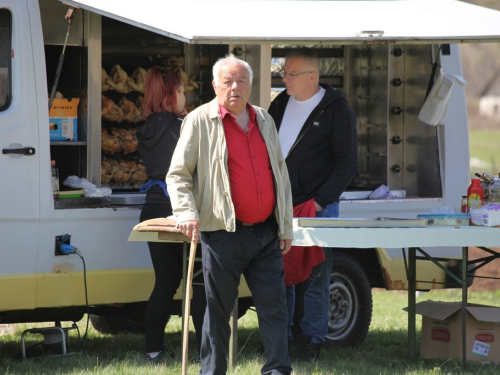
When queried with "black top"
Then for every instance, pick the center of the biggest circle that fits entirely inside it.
(157, 140)
(324, 158)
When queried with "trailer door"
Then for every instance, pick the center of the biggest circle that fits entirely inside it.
(19, 165)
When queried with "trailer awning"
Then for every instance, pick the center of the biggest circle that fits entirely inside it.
(289, 22)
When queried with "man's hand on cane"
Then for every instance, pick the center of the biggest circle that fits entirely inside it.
(190, 229)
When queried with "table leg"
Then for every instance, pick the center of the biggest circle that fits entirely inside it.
(412, 335)
(233, 340)
(465, 259)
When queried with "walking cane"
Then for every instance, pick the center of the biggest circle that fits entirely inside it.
(167, 231)
(187, 306)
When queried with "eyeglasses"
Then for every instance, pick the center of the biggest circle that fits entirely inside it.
(283, 74)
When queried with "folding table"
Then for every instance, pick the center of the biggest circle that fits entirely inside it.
(414, 239)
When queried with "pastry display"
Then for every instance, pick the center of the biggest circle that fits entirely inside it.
(138, 177)
(121, 176)
(139, 77)
(110, 143)
(110, 111)
(177, 65)
(123, 83)
(121, 111)
(130, 112)
(106, 171)
(126, 173)
(107, 82)
(128, 140)
(119, 80)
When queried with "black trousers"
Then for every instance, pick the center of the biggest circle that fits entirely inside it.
(255, 253)
(167, 265)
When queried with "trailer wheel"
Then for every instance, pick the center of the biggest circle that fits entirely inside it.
(114, 324)
(350, 302)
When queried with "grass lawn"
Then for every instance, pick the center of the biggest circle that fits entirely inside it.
(384, 351)
(484, 150)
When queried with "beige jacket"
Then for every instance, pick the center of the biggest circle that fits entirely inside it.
(198, 178)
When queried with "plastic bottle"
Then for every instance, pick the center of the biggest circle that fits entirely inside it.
(55, 177)
(475, 194)
(463, 206)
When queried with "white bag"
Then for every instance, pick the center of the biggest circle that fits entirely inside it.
(488, 214)
(91, 190)
(434, 109)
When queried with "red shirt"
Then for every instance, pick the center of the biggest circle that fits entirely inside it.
(250, 174)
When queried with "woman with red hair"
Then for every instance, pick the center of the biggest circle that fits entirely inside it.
(164, 104)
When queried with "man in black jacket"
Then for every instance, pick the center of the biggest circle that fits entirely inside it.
(317, 131)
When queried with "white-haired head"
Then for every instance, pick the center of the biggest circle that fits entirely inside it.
(226, 60)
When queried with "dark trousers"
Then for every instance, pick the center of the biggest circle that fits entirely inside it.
(255, 253)
(167, 265)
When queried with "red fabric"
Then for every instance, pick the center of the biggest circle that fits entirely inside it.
(300, 260)
(250, 174)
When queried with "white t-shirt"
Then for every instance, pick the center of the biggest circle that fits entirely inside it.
(296, 114)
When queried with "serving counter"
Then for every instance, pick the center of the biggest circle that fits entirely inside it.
(414, 239)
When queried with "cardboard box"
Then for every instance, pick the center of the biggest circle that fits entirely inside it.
(63, 119)
(442, 331)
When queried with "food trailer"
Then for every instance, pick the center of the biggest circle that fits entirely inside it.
(383, 63)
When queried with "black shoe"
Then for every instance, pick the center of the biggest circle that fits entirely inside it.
(305, 350)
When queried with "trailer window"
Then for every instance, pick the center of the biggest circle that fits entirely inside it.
(5, 58)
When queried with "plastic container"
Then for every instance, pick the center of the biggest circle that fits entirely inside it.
(494, 189)
(487, 215)
(475, 194)
(446, 219)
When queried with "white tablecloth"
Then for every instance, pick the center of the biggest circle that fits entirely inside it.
(430, 236)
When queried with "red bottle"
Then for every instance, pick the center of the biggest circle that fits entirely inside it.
(475, 194)
(464, 205)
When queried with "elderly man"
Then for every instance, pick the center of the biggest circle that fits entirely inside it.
(228, 183)
(317, 131)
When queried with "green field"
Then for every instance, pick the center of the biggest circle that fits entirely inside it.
(384, 351)
(484, 150)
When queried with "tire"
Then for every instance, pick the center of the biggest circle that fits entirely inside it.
(115, 324)
(350, 302)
